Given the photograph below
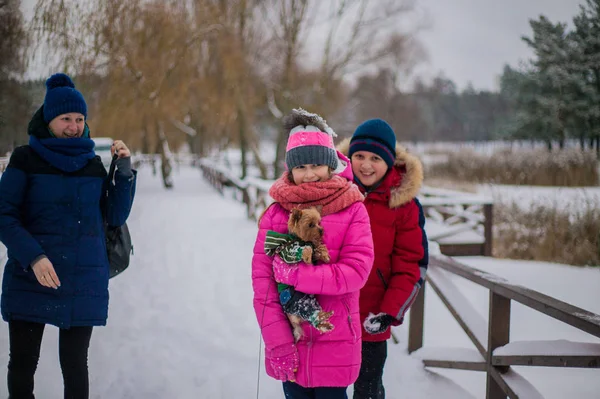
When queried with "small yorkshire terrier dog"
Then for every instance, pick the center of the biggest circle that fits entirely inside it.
(306, 225)
(303, 243)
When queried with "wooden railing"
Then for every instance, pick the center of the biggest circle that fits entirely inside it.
(455, 212)
(138, 160)
(460, 213)
(253, 192)
(494, 353)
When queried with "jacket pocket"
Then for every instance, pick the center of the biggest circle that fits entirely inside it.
(349, 317)
(380, 274)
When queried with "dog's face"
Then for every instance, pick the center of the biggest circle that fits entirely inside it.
(306, 224)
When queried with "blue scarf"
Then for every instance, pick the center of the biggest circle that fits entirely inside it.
(68, 155)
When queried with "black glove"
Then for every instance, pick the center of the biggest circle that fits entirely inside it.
(377, 323)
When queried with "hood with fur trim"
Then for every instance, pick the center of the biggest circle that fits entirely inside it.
(411, 181)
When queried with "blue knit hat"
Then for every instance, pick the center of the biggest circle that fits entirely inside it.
(62, 97)
(376, 136)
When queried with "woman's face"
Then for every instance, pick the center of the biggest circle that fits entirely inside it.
(310, 173)
(368, 167)
(67, 126)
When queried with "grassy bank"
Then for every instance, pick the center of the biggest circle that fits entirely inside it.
(565, 168)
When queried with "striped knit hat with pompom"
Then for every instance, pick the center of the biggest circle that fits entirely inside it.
(310, 140)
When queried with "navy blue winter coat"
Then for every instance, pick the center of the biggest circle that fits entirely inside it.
(45, 210)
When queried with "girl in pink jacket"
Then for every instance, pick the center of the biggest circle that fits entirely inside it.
(320, 365)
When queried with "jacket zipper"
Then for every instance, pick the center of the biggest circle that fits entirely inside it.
(308, 358)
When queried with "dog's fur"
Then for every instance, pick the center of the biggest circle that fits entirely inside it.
(306, 225)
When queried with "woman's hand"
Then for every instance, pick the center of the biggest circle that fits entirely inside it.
(120, 149)
(45, 274)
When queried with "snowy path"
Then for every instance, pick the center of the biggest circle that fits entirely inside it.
(181, 323)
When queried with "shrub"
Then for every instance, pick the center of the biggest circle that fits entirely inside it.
(568, 167)
(547, 233)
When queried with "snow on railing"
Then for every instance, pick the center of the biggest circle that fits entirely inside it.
(461, 223)
(494, 353)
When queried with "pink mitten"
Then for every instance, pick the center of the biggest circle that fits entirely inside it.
(285, 273)
(284, 361)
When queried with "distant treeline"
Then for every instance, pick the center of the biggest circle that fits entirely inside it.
(233, 82)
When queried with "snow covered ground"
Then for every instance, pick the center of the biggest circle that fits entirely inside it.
(562, 198)
(181, 323)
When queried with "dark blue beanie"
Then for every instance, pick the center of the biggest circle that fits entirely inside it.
(62, 97)
(376, 136)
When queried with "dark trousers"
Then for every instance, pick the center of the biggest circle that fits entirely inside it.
(295, 391)
(25, 344)
(369, 384)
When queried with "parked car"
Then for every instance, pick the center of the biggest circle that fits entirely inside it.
(102, 149)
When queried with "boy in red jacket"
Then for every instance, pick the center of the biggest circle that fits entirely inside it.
(390, 179)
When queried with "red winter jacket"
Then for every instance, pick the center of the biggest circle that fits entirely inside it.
(401, 254)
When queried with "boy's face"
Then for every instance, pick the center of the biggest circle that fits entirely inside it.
(368, 167)
(310, 173)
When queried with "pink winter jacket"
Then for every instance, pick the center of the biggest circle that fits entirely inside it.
(331, 359)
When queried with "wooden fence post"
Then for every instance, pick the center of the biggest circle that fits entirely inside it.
(246, 200)
(487, 228)
(415, 327)
(498, 335)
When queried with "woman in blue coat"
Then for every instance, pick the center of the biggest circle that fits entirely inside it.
(53, 196)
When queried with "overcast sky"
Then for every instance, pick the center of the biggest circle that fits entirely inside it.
(470, 40)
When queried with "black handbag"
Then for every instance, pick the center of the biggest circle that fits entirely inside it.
(118, 240)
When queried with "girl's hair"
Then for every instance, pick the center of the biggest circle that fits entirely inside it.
(263, 213)
(291, 177)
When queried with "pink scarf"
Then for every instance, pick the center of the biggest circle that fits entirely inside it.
(334, 194)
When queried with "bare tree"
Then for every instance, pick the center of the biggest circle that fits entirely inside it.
(232, 83)
(143, 52)
(357, 35)
(14, 105)
(288, 21)
(163, 69)
(13, 39)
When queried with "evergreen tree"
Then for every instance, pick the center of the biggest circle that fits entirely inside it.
(556, 96)
(586, 38)
(552, 76)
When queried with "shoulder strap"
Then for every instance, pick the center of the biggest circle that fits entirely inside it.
(109, 178)
(111, 169)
